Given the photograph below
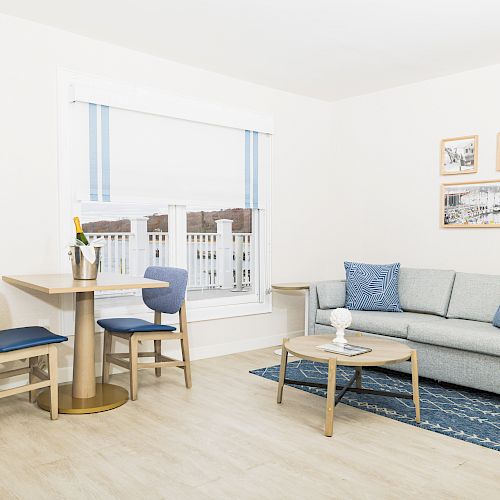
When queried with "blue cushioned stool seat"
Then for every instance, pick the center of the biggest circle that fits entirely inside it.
(29, 336)
(132, 325)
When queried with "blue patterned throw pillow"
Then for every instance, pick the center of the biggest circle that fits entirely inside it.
(372, 287)
(496, 319)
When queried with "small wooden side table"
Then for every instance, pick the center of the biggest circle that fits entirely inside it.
(288, 287)
(384, 352)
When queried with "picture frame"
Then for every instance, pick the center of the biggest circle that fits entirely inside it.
(459, 155)
(474, 204)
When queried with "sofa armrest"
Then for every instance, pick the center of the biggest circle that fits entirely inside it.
(333, 295)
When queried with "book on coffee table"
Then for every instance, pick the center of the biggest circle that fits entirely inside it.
(344, 349)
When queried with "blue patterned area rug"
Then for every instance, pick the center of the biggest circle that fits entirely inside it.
(462, 413)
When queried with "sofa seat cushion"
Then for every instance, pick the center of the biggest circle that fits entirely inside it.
(475, 296)
(466, 335)
(391, 324)
(425, 290)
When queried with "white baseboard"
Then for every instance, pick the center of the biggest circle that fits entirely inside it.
(216, 350)
(65, 373)
(203, 352)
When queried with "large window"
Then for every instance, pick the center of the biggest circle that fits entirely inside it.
(221, 248)
(164, 190)
(219, 253)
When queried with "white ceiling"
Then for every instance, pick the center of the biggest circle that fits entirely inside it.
(328, 49)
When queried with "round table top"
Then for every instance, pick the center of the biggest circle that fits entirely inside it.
(291, 286)
(384, 352)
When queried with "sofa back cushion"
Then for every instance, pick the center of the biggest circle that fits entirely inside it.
(425, 290)
(475, 297)
(331, 294)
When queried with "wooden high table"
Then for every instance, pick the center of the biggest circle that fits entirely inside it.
(84, 395)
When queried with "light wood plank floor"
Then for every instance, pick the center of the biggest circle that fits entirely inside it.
(227, 438)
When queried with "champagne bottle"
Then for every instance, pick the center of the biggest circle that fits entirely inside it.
(80, 235)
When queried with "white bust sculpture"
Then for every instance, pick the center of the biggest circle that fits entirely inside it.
(341, 319)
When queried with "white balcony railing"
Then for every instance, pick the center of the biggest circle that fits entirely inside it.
(116, 254)
(157, 251)
(123, 254)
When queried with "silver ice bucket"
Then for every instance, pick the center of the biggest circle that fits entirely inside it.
(82, 268)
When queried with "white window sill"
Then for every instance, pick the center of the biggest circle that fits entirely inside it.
(197, 310)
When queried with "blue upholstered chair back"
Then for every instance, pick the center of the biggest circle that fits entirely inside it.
(168, 300)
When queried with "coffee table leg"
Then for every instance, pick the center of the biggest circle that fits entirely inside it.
(359, 372)
(330, 396)
(414, 381)
(284, 358)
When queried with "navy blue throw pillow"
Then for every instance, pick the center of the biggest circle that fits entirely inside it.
(496, 319)
(372, 287)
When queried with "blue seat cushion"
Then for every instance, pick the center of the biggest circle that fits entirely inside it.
(132, 325)
(29, 336)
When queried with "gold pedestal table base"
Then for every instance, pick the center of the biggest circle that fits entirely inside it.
(107, 397)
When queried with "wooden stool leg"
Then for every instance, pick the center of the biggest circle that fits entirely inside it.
(284, 359)
(414, 382)
(330, 396)
(32, 363)
(134, 358)
(106, 349)
(187, 360)
(157, 356)
(185, 345)
(54, 391)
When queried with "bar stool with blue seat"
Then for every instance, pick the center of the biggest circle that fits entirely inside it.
(161, 300)
(30, 343)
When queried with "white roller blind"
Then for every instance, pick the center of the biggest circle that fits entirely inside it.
(136, 157)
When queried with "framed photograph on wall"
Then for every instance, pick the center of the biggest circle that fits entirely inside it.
(470, 204)
(459, 155)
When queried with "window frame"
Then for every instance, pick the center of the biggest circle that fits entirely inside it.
(201, 309)
(198, 310)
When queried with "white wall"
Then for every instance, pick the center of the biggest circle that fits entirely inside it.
(386, 201)
(302, 152)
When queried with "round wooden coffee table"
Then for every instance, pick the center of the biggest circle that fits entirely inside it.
(384, 352)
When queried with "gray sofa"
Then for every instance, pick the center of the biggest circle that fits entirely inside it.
(447, 318)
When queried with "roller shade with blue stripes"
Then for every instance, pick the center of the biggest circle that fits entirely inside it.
(137, 157)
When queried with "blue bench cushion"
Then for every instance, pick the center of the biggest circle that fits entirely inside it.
(29, 336)
(132, 325)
